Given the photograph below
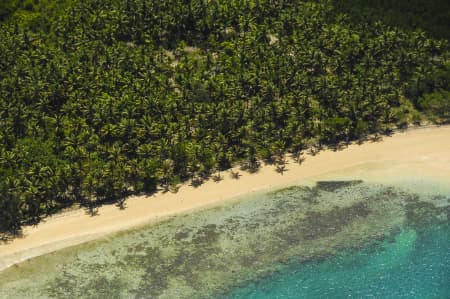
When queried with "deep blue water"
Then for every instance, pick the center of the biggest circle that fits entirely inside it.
(414, 265)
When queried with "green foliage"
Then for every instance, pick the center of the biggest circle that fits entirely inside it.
(431, 16)
(33, 14)
(437, 106)
(111, 98)
(7, 8)
(336, 129)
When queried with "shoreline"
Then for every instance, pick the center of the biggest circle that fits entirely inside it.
(419, 153)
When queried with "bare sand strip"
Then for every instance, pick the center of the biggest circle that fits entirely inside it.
(419, 153)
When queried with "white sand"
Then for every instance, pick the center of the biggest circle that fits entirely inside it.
(420, 154)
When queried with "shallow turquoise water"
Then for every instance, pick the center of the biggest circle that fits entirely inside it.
(414, 265)
(336, 239)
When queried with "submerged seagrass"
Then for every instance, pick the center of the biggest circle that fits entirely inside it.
(210, 252)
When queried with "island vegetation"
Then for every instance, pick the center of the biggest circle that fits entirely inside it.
(100, 99)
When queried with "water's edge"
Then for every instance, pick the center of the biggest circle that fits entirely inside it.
(215, 251)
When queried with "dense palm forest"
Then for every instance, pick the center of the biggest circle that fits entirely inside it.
(431, 16)
(100, 99)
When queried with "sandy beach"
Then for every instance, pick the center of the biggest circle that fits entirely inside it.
(421, 154)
